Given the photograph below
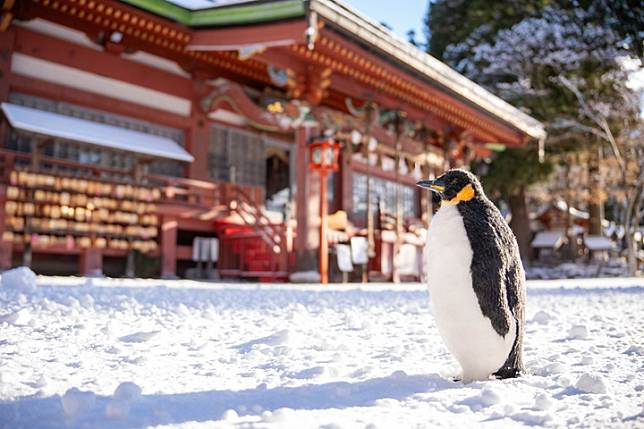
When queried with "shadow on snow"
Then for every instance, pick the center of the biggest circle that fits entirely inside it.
(157, 409)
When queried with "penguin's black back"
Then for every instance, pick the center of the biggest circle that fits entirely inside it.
(496, 268)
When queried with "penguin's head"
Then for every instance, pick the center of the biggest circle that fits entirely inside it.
(454, 186)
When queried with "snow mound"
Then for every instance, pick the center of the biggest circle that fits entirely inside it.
(635, 350)
(489, 397)
(578, 332)
(542, 402)
(591, 383)
(19, 278)
(542, 317)
(21, 317)
(127, 391)
(76, 402)
(230, 415)
(118, 408)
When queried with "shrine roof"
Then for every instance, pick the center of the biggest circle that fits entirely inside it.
(361, 29)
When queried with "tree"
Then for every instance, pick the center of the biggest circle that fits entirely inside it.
(450, 22)
(525, 65)
(627, 166)
(525, 168)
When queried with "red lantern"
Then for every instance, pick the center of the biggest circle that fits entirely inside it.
(323, 157)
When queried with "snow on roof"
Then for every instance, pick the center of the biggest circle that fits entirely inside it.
(385, 40)
(194, 13)
(205, 4)
(597, 242)
(84, 131)
(548, 240)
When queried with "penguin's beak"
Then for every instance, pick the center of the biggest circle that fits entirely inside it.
(435, 185)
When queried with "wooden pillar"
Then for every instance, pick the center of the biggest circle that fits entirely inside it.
(7, 39)
(306, 205)
(169, 228)
(346, 181)
(91, 262)
(324, 241)
(399, 129)
(198, 134)
(6, 247)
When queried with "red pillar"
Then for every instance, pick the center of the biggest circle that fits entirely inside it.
(324, 242)
(91, 262)
(198, 135)
(169, 247)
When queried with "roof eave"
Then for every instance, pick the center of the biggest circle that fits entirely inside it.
(384, 40)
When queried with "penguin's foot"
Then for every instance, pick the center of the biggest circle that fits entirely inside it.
(507, 372)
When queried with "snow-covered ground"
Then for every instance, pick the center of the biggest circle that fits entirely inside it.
(88, 353)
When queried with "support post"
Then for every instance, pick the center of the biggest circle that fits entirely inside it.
(306, 237)
(399, 129)
(91, 262)
(169, 228)
(6, 247)
(324, 243)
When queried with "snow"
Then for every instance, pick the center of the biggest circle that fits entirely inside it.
(106, 353)
(18, 278)
(591, 383)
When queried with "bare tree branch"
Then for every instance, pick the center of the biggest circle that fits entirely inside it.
(599, 120)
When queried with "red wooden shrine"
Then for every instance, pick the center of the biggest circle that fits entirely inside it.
(130, 128)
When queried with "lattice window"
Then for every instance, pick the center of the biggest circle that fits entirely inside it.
(93, 154)
(236, 156)
(384, 191)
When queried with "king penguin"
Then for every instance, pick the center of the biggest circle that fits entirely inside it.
(476, 279)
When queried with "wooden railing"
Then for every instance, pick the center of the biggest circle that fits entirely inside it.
(240, 252)
(206, 194)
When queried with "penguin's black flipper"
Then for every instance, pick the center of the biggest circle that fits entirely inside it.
(490, 253)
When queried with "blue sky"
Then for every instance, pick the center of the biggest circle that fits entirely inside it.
(401, 15)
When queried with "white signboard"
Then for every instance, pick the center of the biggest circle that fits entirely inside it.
(205, 249)
(344, 257)
(359, 250)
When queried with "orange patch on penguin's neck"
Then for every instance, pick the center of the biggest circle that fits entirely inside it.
(465, 194)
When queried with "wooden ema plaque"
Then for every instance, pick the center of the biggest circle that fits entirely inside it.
(73, 213)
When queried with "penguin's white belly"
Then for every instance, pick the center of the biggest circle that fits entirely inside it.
(467, 333)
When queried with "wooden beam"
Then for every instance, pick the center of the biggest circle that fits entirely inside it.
(53, 91)
(97, 62)
(230, 39)
(358, 63)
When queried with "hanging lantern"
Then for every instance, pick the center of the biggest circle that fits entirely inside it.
(324, 155)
